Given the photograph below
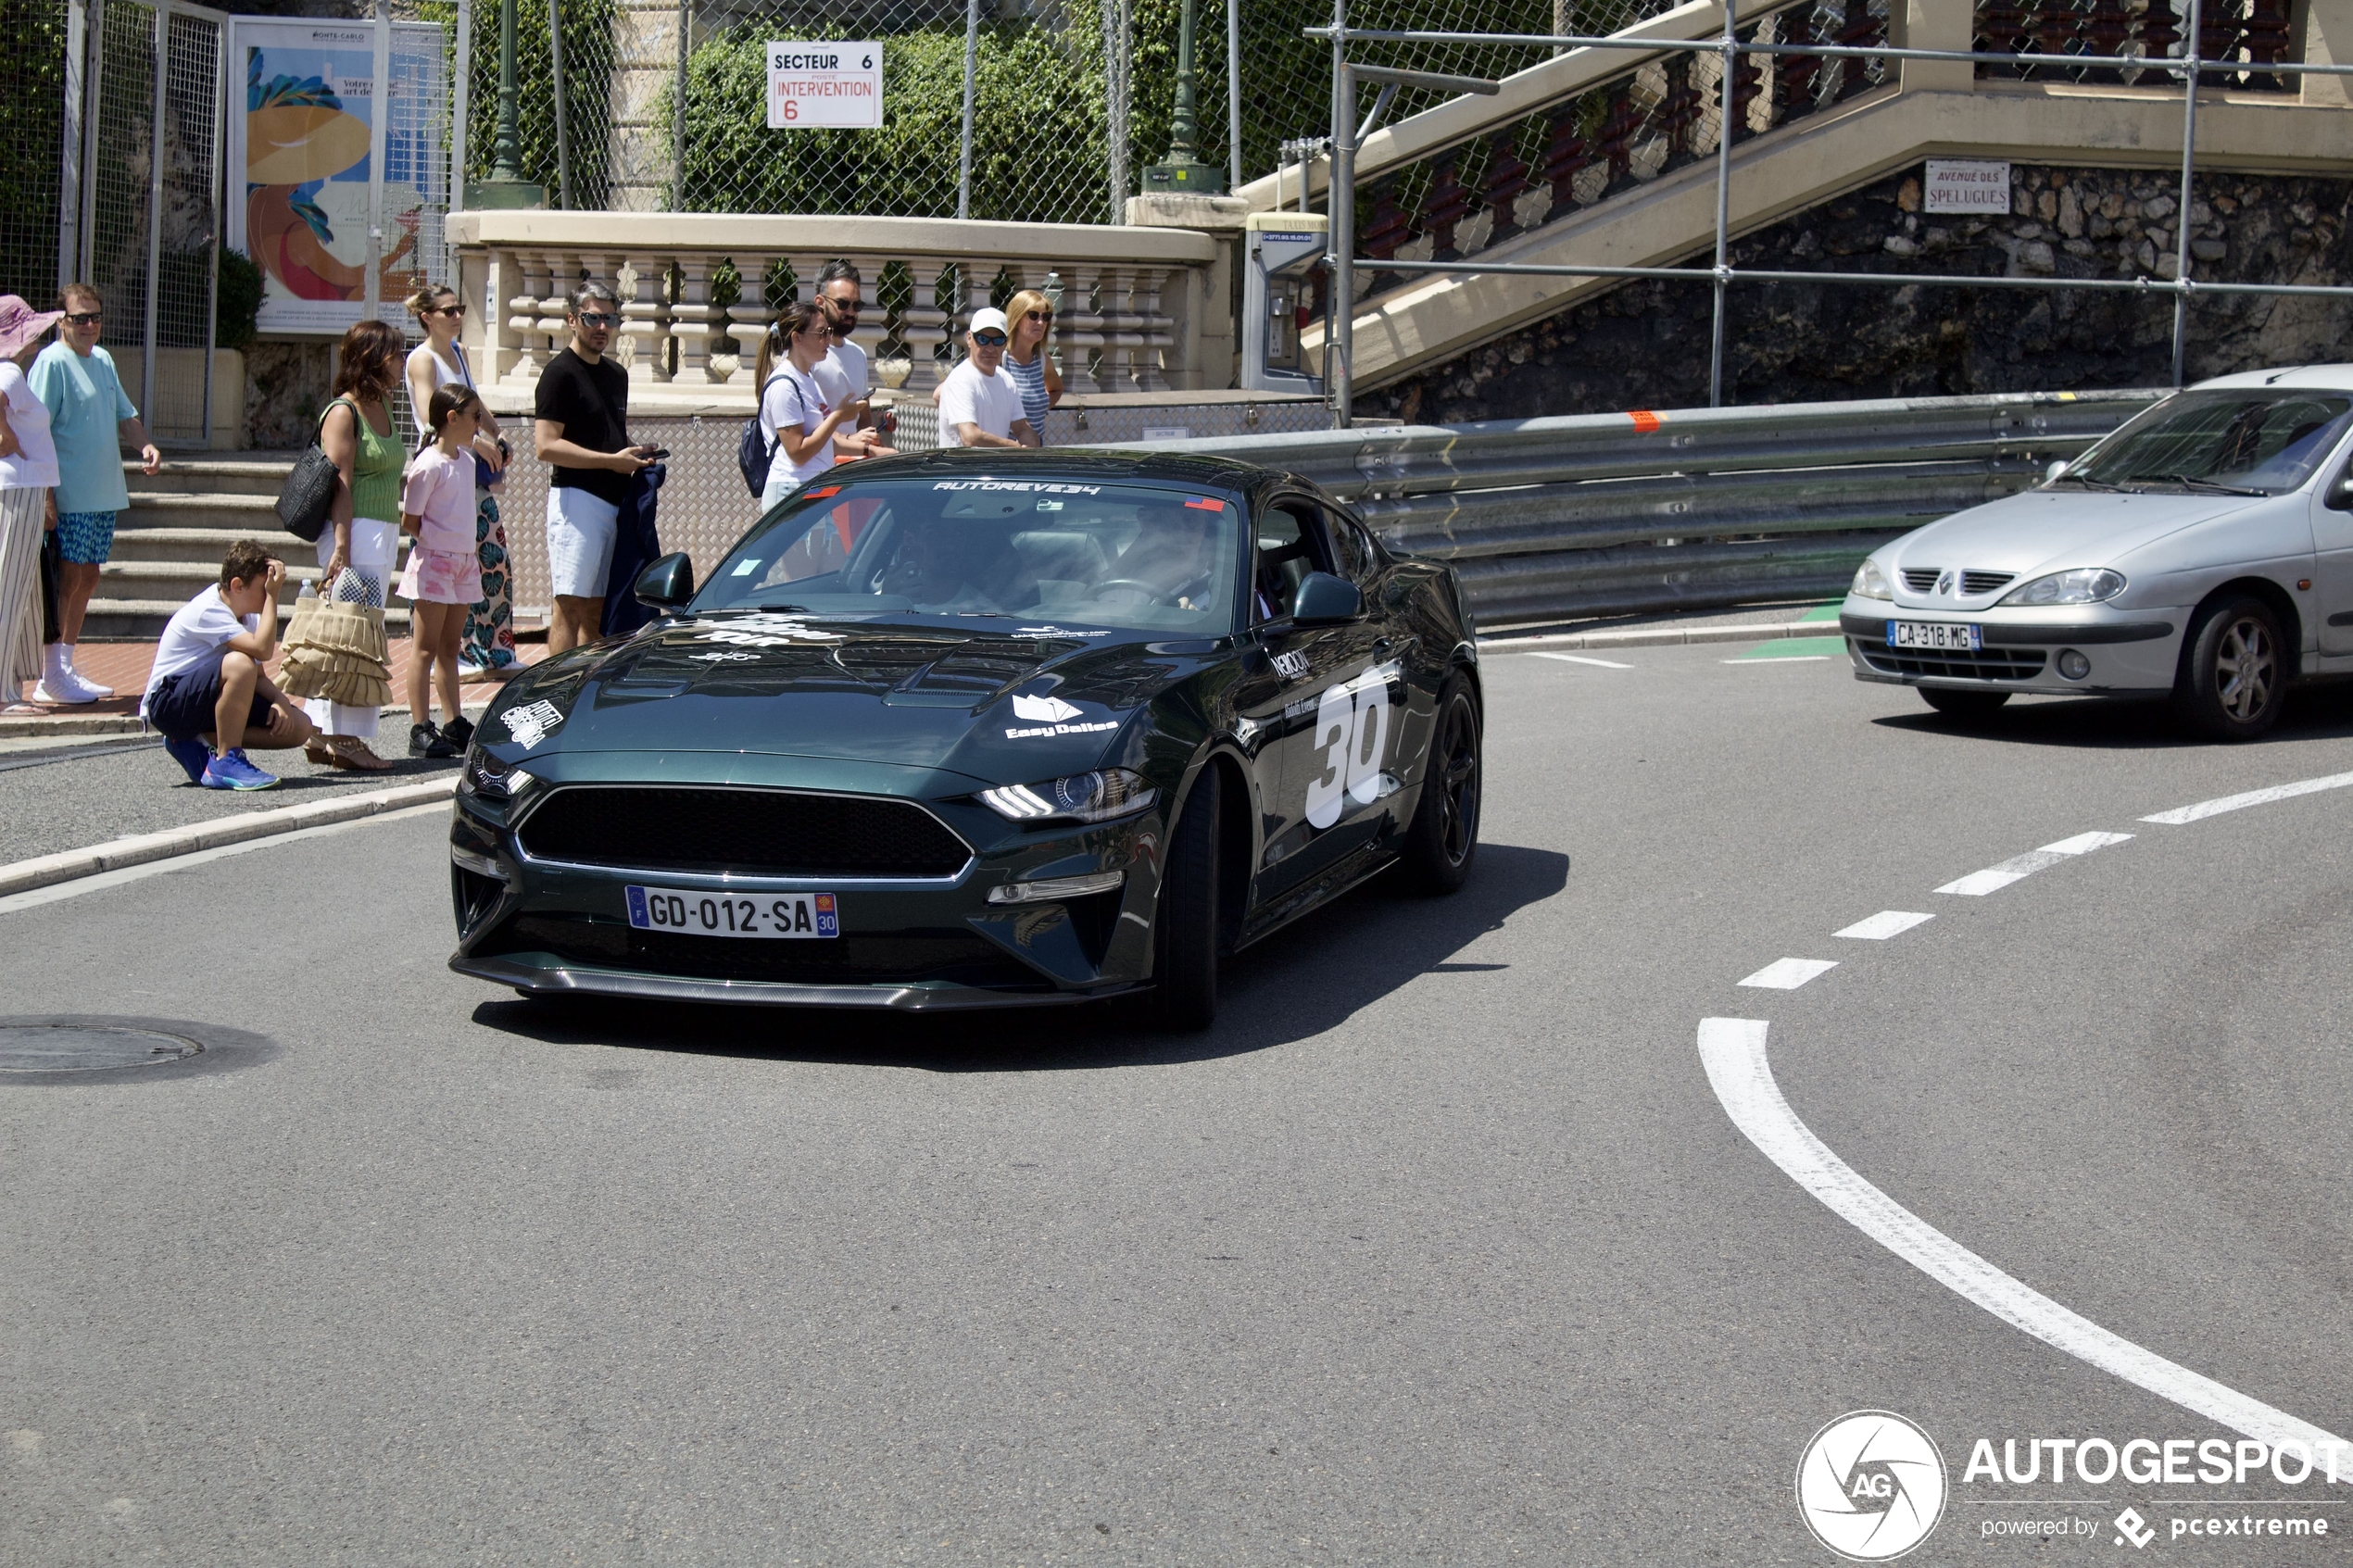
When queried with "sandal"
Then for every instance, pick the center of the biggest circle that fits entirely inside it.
(315, 751)
(350, 751)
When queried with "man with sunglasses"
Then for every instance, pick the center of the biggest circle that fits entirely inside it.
(579, 430)
(979, 401)
(841, 375)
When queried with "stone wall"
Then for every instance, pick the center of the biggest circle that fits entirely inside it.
(1646, 345)
(287, 384)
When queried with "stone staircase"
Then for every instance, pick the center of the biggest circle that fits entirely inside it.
(170, 543)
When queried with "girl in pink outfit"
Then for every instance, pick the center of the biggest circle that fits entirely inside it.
(437, 505)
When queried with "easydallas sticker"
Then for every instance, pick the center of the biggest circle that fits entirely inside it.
(1051, 716)
(1871, 1486)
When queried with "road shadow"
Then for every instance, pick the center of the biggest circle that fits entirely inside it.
(2088, 723)
(1304, 980)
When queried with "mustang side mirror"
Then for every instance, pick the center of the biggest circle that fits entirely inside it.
(667, 583)
(2339, 496)
(1323, 599)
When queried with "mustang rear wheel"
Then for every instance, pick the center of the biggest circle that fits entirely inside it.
(2234, 670)
(1443, 837)
(1185, 926)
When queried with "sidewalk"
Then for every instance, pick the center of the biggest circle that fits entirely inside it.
(124, 666)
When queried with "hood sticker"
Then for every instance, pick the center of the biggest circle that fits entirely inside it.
(724, 657)
(766, 629)
(530, 723)
(1056, 631)
(1051, 716)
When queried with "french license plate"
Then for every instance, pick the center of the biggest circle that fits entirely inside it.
(1942, 634)
(774, 915)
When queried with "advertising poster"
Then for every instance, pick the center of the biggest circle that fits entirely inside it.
(304, 144)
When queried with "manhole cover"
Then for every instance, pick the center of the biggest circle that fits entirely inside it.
(86, 1048)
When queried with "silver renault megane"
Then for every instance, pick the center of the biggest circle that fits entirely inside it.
(2202, 551)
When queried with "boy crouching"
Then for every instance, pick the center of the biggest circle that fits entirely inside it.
(206, 692)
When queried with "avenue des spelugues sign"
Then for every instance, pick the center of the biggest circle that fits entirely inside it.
(825, 86)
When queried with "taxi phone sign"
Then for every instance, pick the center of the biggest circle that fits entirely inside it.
(825, 86)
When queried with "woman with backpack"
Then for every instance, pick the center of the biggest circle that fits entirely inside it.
(795, 427)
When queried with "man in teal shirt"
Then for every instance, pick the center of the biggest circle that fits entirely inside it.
(92, 419)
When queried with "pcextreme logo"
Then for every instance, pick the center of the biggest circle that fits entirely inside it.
(1871, 1486)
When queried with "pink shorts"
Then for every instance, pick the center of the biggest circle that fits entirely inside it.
(447, 577)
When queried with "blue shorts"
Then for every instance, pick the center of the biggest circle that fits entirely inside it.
(183, 706)
(86, 537)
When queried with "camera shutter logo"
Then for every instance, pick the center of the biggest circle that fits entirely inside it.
(1871, 1486)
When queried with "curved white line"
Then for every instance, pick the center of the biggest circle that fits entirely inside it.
(1733, 1050)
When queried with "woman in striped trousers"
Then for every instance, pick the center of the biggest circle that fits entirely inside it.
(28, 506)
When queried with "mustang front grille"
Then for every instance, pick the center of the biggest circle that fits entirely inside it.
(741, 833)
(1985, 664)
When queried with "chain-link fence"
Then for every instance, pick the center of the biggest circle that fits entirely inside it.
(33, 119)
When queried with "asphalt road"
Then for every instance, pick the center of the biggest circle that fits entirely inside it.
(1440, 1249)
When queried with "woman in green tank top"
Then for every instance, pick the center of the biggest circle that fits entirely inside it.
(357, 552)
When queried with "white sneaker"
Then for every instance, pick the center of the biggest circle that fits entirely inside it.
(93, 692)
(44, 693)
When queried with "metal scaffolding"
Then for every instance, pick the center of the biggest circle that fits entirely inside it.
(1347, 134)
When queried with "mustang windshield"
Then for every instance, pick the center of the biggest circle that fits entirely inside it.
(2262, 439)
(1128, 556)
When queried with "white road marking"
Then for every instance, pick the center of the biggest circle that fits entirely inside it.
(1734, 1053)
(2018, 868)
(1884, 924)
(1788, 974)
(101, 880)
(1574, 659)
(1782, 658)
(2215, 808)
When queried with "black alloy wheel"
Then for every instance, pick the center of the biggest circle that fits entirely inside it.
(2235, 671)
(1963, 705)
(1443, 837)
(1185, 926)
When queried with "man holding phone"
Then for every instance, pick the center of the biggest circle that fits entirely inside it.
(580, 430)
(842, 375)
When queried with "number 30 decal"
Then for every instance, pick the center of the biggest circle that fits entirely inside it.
(1351, 730)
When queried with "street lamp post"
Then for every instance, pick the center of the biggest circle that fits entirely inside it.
(1182, 171)
(505, 188)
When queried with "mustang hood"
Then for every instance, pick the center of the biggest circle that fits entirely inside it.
(1000, 705)
(2054, 530)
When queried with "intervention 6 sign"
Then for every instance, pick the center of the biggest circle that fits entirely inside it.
(834, 86)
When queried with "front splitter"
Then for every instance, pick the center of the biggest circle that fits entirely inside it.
(557, 979)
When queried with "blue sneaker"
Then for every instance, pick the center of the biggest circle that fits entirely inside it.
(233, 772)
(190, 754)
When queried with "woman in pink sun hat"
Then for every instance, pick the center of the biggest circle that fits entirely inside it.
(28, 505)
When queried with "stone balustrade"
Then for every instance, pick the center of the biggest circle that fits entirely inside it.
(1142, 310)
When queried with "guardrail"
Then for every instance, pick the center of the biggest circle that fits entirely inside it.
(1602, 514)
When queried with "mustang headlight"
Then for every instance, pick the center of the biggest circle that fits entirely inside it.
(1871, 583)
(493, 780)
(1081, 798)
(2084, 585)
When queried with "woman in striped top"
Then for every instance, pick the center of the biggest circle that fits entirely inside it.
(1027, 362)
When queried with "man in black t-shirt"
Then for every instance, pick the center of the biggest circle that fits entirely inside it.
(580, 430)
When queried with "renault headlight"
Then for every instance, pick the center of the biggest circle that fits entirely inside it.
(1096, 797)
(1871, 583)
(2084, 585)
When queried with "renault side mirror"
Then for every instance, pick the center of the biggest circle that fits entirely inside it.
(2339, 497)
(2051, 474)
(1323, 600)
(667, 583)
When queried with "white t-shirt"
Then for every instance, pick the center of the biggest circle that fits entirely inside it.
(34, 467)
(968, 397)
(841, 374)
(194, 639)
(793, 401)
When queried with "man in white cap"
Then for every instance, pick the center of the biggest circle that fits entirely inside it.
(977, 400)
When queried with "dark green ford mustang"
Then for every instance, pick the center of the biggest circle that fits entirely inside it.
(978, 729)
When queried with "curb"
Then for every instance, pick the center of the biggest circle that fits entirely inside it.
(42, 871)
(1663, 636)
(69, 724)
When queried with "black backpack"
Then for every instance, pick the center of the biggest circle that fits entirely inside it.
(755, 454)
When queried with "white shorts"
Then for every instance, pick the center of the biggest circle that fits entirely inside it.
(580, 535)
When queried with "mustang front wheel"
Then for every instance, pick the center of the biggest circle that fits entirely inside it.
(1184, 927)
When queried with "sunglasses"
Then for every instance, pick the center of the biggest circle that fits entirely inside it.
(1039, 316)
(599, 320)
(448, 310)
(989, 340)
(85, 317)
